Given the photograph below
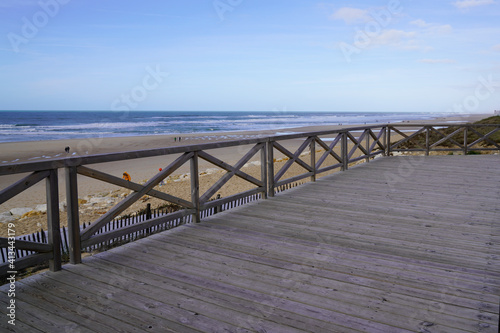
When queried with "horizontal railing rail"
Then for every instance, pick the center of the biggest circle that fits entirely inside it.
(317, 153)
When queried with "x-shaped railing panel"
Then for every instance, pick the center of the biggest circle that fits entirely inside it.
(446, 137)
(329, 151)
(132, 198)
(377, 140)
(484, 137)
(231, 171)
(407, 138)
(357, 144)
(293, 158)
(131, 186)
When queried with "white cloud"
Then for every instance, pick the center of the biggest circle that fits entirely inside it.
(420, 23)
(433, 28)
(496, 47)
(464, 4)
(440, 29)
(437, 61)
(393, 37)
(351, 15)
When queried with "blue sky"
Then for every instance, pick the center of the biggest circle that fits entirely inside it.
(256, 55)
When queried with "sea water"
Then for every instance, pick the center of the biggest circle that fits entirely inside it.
(56, 125)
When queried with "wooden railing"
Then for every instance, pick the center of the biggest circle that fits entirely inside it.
(324, 151)
(462, 138)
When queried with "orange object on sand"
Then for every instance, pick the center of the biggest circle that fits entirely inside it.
(126, 176)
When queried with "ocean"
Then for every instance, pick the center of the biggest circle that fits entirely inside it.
(18, 126)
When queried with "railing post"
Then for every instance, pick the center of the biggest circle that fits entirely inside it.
(388, 140)
(384, 140)
(312, 148)
(367, 132)
(427, 140)
(466, 144)
(344, 152)
(53, 225)
(75, 253)
(195, 187)
(263, 170)
(270, 168)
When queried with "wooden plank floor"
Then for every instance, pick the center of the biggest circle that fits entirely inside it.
(402, 244)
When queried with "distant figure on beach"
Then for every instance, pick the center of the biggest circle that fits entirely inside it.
(66, 149)
(175, 139)
(126, 176)
(179, 139)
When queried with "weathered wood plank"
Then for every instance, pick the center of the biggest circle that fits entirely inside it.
(102, 306)
(279, 296)
(369, 270)
(266, 281)
(329, 250)
(345, 293)
(338, 254)
(29, 315)
(239, 299)
(201, 313)
(72, 310)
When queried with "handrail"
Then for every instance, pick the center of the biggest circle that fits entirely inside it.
(57, 163)
(355, 144)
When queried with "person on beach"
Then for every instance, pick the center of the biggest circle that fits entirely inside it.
(126, 176)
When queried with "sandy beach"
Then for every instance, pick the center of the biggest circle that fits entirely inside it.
(141, 169)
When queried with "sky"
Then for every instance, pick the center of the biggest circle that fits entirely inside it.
(250, 55)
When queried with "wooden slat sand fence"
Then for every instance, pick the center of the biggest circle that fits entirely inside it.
(318, 153)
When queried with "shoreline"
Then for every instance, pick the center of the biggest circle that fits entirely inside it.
(145, 168)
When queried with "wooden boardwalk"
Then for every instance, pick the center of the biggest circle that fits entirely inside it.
(402, 244)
